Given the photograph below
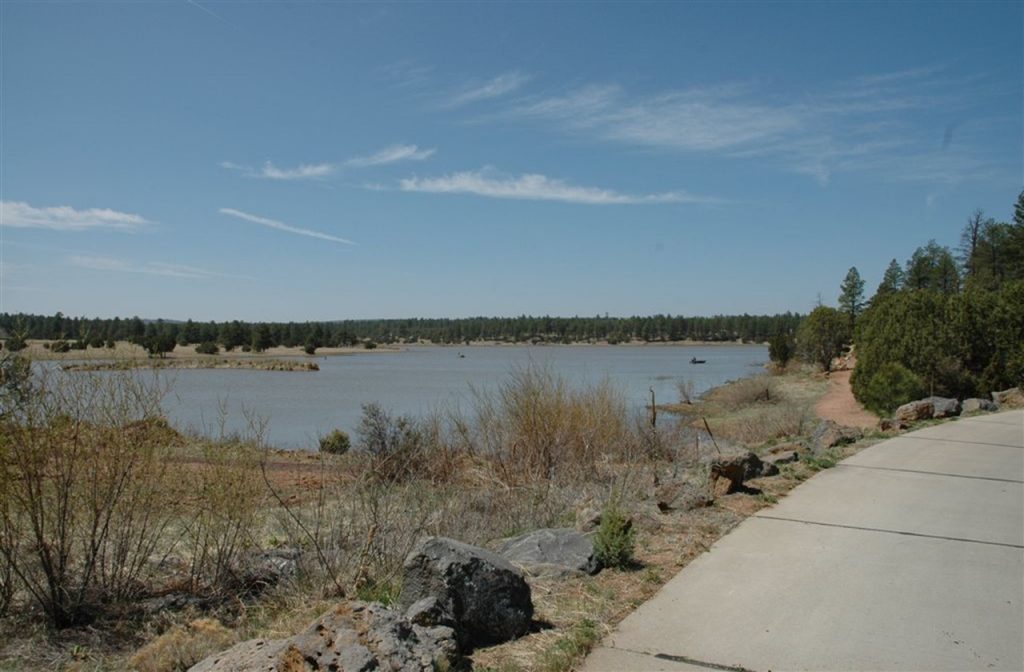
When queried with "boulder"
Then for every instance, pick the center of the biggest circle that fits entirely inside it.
(775, 459)
(892, 425)
(1011, 398)
(975, 405)
(262, 569)
(943, 407)
(728, 473)
(541, 550)
(352, 637)
(682, 496)
(829, 434)
(486, 598)
(914, 411)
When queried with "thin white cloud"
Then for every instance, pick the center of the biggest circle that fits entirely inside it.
(281, 226)
(846, 126)
(392, 154)
(501, 85)
(96, 263)
(21, 215)
(304, 171)
(536, 187)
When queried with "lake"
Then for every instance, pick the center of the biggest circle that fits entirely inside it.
(299, 407)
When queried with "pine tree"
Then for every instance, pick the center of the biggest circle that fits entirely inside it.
(851, 296)
(892, 281)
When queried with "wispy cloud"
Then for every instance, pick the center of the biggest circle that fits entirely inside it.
(501, 85)
(535, 187)
(21, 215)
(96, 263)
(392, 154)
(304, 171)
(281, 226)
(845, 126)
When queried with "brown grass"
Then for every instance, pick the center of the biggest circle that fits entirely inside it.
(533, 454)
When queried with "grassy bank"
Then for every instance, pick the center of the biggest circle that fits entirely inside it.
(162, 533)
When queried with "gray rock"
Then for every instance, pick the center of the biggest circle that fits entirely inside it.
(829, 434)
(559, 547)
(775, 459)
(486, 597)
(914, 411)
(262, 569)
(975, 405)
(352, 637)
(682, 496)
(1011, 398)
(943, 407)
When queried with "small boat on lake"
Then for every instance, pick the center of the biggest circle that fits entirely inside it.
(694, 360)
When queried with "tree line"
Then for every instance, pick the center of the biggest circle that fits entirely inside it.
(947, 322)
(160, 335)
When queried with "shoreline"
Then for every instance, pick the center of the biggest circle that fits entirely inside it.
(127, 351)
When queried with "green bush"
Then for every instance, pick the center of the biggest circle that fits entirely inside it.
(207, 348)
(890, 387)
(615, 539)
(369, 345)
(335, 443)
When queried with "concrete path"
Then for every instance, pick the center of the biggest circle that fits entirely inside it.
(906, 556)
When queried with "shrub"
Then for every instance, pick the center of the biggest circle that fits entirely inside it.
(369, 345)
(615, 539)
(335, 443)
(309, 348)
(207, 348)
(60, 346)
(395, 444)
(181, 647)
(780, 349)
(83, 496)
(15, 343)
(890, 387)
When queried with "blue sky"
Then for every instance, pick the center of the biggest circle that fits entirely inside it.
(294, 161)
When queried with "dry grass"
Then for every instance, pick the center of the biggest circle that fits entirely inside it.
(533, 454)
(182, 646)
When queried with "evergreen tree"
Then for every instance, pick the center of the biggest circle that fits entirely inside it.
(821, 336)
(892, 281)
(851, 295)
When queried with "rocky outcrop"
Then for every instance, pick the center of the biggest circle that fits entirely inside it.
(481, 593)
(1011, 398)
(550, 552)
(975, 405)
(352, 637)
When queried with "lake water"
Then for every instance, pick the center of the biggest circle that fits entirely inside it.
(301, 406)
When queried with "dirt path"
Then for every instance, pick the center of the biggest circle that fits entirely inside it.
(839, 405)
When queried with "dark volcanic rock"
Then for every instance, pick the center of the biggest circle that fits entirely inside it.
(485, 596)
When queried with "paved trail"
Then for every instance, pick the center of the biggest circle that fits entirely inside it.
(906, 556)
